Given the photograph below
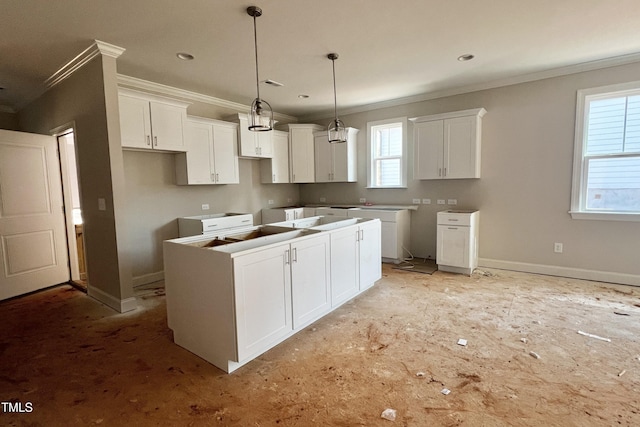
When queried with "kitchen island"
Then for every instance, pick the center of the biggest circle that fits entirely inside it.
(232, 297)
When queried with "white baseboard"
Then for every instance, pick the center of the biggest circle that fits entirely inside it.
(148, 278)
(121, 306)
(554, 270)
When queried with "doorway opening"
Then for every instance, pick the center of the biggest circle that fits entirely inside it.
(73, 208)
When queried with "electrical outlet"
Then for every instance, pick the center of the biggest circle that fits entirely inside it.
(452, 201)
(416, 201)
(323, 199)
(205, 207)
(270, 202)
(441, 201)
(102, 204)
(426, 201)
(289, 200)
(363, 200)
(557, 248)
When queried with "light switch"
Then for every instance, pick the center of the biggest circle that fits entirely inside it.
(362, 200)
(416, 201)
(205, 206)
(270, 202)
(426, 201)
(441, 201)
(102, 204)
(452, 201)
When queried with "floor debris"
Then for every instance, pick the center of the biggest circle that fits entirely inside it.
(624, 371)
(445, 391)
(524, 340)
(621, 314)
(462, 342)
(586, 334)
(534, 355)
(389, 414)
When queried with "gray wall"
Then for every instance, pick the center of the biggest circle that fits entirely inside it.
(88, 98)
(8, 121)
(525, 189)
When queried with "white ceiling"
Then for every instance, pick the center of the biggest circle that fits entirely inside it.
(388, 49)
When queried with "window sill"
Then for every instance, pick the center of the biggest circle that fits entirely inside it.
(606, 216)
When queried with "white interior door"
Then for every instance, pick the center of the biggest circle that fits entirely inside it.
(33, 242)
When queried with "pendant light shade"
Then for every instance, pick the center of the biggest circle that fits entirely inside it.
(336, 130)
(261, 114)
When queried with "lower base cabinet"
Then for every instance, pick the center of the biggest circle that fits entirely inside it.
(229, 304)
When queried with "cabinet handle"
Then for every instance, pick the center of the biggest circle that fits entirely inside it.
(439, 171)
(155, 141)
(286, 257)
(217, 177)
(294, 177)
(453, 219)
(445, 171)
(361, 234)
(452, 228)
(213, 177)
(295, 254)
(273, 177)
(148, 140)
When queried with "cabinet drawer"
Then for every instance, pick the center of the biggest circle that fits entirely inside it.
(446, 218)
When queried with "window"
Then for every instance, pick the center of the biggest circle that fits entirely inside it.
(606, 170)
(387, 149)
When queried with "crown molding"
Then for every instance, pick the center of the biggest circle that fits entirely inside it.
(524, 78)
(174, 92)
(97, 48)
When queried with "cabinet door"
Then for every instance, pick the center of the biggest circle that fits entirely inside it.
(428, 140)
(390, 247)
(310, 274)
(460, 154)
(196, 165)
(225, 155)
(369, 253)
(135, 122)
(264, 142)
(302, 155)
(280, 159)
(323, 159)
(453, 246)
(345, 271)
(167, 122)
(262, 300)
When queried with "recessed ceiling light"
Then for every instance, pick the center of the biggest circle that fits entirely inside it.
(302, 96)
(465, 57)
(185, 56)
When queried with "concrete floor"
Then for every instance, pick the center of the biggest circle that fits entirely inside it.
(76, 362)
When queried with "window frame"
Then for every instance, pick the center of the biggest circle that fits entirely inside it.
(579, 178)
(371, 169)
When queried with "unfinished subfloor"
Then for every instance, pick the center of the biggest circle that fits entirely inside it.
(79, 363)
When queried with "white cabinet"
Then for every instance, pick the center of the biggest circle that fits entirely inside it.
(276, 169)
(151, 122)
(218, 223)
(272, 215)
(252, 144)
(232, 298)
(396, 230)
(336, 162)
(355, 259)
(447, 146)
(301, 149)
(310, 279)
(262, 284)
(211, 156)
(457, 241)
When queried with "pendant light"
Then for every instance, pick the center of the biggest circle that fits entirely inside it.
(261, 115)
(336, 131)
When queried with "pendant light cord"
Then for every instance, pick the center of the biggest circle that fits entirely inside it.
(335, 98)
(255, 43)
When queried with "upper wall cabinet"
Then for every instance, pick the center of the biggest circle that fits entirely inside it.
(447, 146)
(336, 162)
(276, 169)
(212, 156)
(151, 122)
(301, 152)
(257, 145)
